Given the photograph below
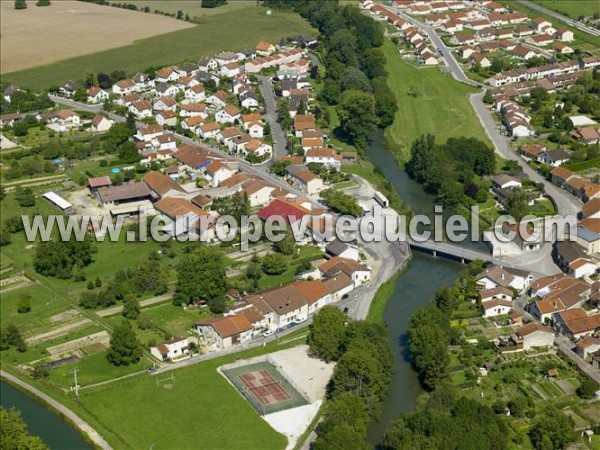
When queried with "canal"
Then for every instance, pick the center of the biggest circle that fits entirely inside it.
(42, 422)
(414, 288)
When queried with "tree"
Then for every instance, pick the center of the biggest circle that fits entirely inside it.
(517, 406)
(25, 197)
(341, 202)
(212, 3)
(286, 246)
(516, 203)
(356, 111)
(20, 4)
(200, 275)
(488, 99)
(552, 430)
(60, 258)
(43, 3)
(385, 102)
(24, 305)
(217, 305)
(125, 349)
(14, 434)
(327, 334)
(131, 307)
(274, 264)
(353, 78)
(587, 389)
(445, 300)
(13, 339)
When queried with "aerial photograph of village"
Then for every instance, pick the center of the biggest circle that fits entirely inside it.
(300, 224)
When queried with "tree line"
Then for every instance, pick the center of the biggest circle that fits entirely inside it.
(453, 170)
(361, 378)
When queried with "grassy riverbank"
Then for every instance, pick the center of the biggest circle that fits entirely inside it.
(383, 294)
(429, 101)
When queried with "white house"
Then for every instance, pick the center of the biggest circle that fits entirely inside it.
(171, 350)
(218, 99)
(343, 250)
(142, 109)
(207, 64)
(195, 93)
(256, 130)
(217, 172)
(230, 70)
(66, 119)
(165, 104)
(229, 114)
(124, 87)
(249, 100)
(166, 90)
(208, 130)
(358, 273)
(166, 118)
(167, 75)
(535, 335)
(497, 307)
(258, 147)
(193, 110)
(326, 156)
(100, 124)
(96, 95)
(258, 192)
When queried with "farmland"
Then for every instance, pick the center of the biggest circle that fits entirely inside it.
(213, 34)
(31, 37)
(571, 8)
(429, 101)
(193, 8)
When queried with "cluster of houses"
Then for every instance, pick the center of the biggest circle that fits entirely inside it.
(556, 304)
(413, 35)
(185, 96)
(255, 315)
(515, 118)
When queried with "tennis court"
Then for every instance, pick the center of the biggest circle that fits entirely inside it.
(265, 387)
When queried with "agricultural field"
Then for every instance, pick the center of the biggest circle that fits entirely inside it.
(193, 8)
(171, 48)
(571, 8)
(31, 37)
(427, 98)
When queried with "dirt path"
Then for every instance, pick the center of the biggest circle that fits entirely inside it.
(151, 301)
(58, 332)
(73, 418)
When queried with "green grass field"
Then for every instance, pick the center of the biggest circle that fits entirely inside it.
(199, 409)
(229, 31)
(441, 107)
(572, 8)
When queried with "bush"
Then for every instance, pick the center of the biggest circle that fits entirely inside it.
(217, 305)
(274, 264)
(24, 305)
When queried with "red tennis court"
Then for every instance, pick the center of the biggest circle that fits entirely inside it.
(264, 387)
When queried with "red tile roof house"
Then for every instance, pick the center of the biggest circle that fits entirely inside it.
(98, 182)
(359, 273)
(223, 332)
(163, 186)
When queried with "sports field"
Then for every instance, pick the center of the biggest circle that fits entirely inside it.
(65, 29)
(266, 389)
(440, 106)
(228, 31)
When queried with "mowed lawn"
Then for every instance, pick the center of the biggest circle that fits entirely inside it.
(200, 409)
(227, 31)
(441, 106)
(572, 8)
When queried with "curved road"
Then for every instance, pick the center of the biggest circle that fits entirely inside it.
(74, 418)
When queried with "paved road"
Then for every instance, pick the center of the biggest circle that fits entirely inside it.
(565, 346)
(74, 418)
(565, 203)
(268, 92)
(574, 23)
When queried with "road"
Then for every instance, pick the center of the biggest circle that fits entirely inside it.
(63, 410)
(574, 23)
(279, 139)
(565, 346)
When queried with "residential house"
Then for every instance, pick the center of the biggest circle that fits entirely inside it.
(326, 156)
(207, 64)
(124, 87)
(564, 35)
(257, 147)
(358, 273)
(166, 90)
(304, 179)
(141, 109)
(229, 114)
(591, 209)
(498, 276)
(586, 346)
(560, 176)
(165, 104)
(218, 99)
(195, 93)
(223, 332)
(249, 100)
(166, 118)
(124, 193)
(96, 95)
(208, 130)
(587, 135)
(230, 70)
(217, 172)
(576, 323)
(256, 129)
(264, 48)
(342, 250)
(535, 335)
(100, 124)
(562, 49)
(163, 186)
(588, 235)
(555, 157)
(340, 285)
(258, 192)
(167, 75)
(193, 110)
(65, 119)
(171, 350)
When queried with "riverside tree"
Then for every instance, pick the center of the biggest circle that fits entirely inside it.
(125, 349)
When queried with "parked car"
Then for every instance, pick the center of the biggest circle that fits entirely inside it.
(346, 311)
(299, 320)
(268, 333)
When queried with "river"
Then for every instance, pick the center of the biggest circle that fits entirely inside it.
(42, 422)
(415, 288)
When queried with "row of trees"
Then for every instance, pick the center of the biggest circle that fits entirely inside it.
(63, 259)
(341, 202)
(360, 381)
(14, 434)
(449, 170)
(126, 285)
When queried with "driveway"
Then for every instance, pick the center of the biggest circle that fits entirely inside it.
(279, 139)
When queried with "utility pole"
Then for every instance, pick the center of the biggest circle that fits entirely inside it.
(75, 370)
